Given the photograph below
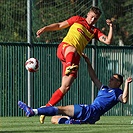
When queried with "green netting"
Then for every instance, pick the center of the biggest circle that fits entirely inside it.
(13, 20)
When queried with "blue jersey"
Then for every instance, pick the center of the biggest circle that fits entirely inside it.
(105, 100)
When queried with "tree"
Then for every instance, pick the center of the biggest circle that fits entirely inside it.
(120, 12)
(13, 21)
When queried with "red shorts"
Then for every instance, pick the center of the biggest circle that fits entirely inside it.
(60, 54)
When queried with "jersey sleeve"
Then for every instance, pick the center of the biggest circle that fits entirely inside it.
(98, 33)
(72, 20)
(119, 92)
(104, 86)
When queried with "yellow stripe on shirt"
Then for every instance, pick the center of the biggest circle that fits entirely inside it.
(78, 36)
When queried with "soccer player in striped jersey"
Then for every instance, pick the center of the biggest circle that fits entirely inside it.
(108, 97)
(81, 32)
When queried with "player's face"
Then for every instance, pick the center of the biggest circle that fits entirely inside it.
(92, 18)
(114, 82)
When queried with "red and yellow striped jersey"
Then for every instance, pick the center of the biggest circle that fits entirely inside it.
(80, 33)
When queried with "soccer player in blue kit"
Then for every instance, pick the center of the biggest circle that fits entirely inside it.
(108, 96)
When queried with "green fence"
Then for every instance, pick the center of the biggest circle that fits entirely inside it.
(17, 26)
(14, 76)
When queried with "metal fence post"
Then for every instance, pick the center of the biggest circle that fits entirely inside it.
(29, 42)
(93, 58)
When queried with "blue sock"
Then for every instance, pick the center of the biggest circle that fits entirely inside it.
(48, 111)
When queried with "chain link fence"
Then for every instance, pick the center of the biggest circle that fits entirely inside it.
(13, 20)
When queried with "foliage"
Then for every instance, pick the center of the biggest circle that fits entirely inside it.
(121, 13)
(47, 12)
(13, 20)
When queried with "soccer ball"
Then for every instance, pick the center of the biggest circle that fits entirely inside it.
(32, 65)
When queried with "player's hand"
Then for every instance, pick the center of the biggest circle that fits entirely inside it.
(39, 32)
(109, 22)
(129, 80)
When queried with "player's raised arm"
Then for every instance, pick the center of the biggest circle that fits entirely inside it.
(107, 39)
(124, 97)
(92, 72)
(53, 27)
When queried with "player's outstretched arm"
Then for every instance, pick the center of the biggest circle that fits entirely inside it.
(124, 96)
(53, 27)
(108, 39)
(92, 72)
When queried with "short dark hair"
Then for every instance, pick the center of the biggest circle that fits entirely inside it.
(120, 77)
(96, 10)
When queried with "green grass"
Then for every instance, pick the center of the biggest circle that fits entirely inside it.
(107, 124)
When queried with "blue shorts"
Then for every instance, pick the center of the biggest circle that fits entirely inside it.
(68, 121)
(83, 114)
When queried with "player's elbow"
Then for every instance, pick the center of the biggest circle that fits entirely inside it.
(54, 120)
(108, 42)
(124, 101)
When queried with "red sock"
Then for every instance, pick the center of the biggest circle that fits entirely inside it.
(56, 97)
(69, 58)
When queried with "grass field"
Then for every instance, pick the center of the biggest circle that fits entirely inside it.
(107, 124)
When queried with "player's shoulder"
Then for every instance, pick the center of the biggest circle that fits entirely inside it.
(74, 19)
(119, 90)
(104, 87)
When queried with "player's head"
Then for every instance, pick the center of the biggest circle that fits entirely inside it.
(93, 15)
(96, 10)
(116, 81)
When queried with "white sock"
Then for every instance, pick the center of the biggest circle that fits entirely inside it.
(35, 111)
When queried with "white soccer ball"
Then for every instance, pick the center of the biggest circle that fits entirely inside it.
(32, 65)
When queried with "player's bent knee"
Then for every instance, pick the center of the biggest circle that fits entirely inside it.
(54, 120)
